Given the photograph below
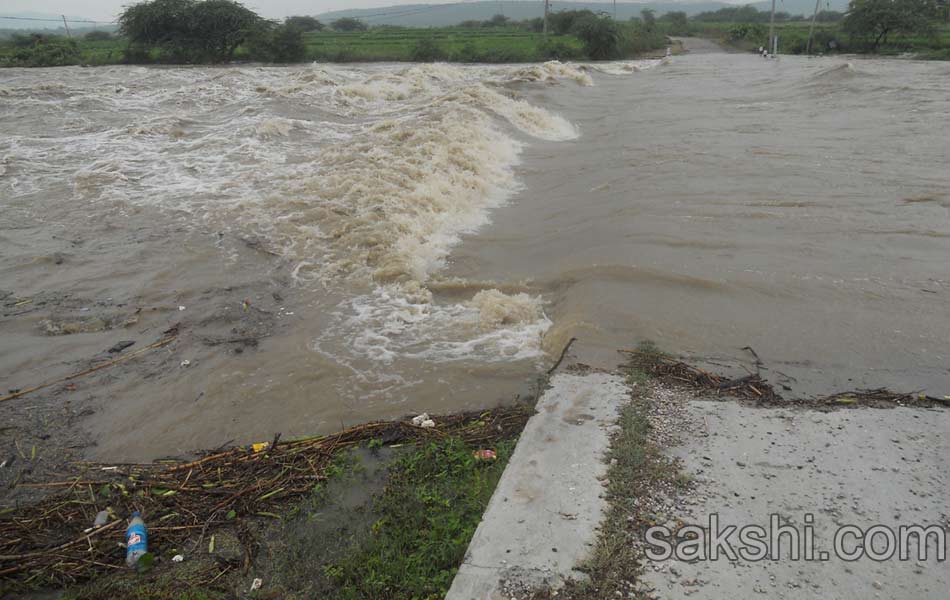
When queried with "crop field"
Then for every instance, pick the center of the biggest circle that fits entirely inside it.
(465, 45)
(383, 44)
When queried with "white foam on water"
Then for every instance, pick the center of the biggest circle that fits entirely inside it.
(628, 67)
(362, 178)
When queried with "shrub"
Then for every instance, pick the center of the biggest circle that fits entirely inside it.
(678, 23)
(188, 30)
(563, 22)
(277, 43)
(47, 52)
(348, 24)
(98, 36)
(601, 35)
(304, 23)
(426, 50)
(558, 50)
(534, 25)
(466, 54)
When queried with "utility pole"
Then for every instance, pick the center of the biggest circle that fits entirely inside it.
(66, 25)
(772, 48)
(811, 30)
(546, 2)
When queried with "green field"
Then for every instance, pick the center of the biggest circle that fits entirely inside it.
(458, 44)
(793, 37)
(501, 45)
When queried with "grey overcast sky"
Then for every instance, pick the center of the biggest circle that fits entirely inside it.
(106, 10)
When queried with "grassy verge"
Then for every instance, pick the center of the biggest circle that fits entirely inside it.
(426, 517)
(388, 518)
(638, 469)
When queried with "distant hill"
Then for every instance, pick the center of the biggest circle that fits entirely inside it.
(440, 15)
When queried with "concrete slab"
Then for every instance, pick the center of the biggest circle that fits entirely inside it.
(543, 516)
(859, 467)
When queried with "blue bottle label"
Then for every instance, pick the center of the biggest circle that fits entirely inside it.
(136, 539)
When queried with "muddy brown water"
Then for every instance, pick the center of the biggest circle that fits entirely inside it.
(356, 243)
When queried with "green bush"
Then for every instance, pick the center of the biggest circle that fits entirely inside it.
(601, 35)
(187, 30)
(98, 36)
(426, 50)
(46, 52)
(754, 33)
(558, 50)
(348, 24)
(278, 44)
(304, 23)
(563, 22)
(637, 40)
(468, 53)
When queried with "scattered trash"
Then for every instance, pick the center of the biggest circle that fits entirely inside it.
(178, 558)
(119, 347)
(211, 546)
(417, 421)
(102, 517)
(181, 308)
(485, 455)
(245, 305)
(185, 363)
(136, 540)
(256, 584)
(211, 481)
(260, 446)
(427, 424)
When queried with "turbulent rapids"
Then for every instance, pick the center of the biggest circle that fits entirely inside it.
(340, 244)
(359, 181)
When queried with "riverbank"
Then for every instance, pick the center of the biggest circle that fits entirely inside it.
(662, 443)
(219, 523)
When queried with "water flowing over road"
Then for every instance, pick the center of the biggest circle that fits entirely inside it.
(406, 238)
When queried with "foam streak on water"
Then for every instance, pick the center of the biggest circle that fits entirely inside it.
(361, 179)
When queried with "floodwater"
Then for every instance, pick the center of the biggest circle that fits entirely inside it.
(427, 238)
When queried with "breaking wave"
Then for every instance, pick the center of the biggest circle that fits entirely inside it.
(363, 179)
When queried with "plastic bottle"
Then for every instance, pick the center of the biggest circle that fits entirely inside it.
(136, 540)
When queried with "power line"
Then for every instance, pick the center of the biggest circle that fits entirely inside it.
(58, 19)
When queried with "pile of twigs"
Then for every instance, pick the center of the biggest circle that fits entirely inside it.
(51, 543)
(754, 388)
(661, 366)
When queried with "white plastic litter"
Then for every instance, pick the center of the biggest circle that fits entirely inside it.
(101, 518)
(178, 558)
(256, 584)
(428, 423)
(419, 420)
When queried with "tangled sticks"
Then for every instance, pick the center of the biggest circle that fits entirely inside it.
(755, 389)
(51, 543)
